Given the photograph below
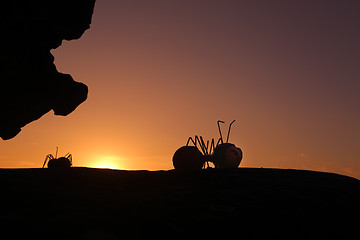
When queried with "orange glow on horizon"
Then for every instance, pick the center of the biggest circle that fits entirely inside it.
(105, 161)
(106, 165)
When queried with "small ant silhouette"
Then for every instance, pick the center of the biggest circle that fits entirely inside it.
(58, 163)
(222, 155)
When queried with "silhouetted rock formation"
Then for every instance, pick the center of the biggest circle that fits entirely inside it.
(30, 85)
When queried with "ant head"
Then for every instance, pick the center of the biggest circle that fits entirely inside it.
(227, 155)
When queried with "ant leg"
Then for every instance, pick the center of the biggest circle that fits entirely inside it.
(220, 140)
(70, 159)
(45, 161)
(49, 156)
(227, 139)
(203, 145)
(190, 138)
(200, 143)
(212, 146)
(195, 143)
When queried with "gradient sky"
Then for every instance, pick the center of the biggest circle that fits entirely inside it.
(161, 71)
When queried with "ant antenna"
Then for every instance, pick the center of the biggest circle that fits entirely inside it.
(56, 152)
(218, 123)
(227, 139)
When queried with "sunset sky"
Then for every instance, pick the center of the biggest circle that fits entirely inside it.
(161, 71)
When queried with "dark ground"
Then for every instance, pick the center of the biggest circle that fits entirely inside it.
(244, 203)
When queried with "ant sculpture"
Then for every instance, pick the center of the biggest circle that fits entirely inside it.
(58, 163)
(222, 155)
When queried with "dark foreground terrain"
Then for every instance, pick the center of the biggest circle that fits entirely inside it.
(245, 203)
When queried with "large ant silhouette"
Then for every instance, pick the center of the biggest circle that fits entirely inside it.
(222, 155)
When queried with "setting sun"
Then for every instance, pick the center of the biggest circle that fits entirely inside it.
(110, 162)
(106, 165)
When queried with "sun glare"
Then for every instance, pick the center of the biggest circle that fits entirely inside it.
(109, 162)
(106, 165)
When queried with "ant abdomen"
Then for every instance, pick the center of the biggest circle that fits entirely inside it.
(188, 158)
